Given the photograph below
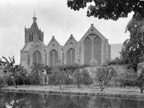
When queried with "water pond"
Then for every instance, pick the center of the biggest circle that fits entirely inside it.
(26, 100)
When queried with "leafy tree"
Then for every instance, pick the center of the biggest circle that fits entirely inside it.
(86, 79)
(48, 69)
(132, 50)
(23, 74)
(128, 78)
(12, 69)
(104, 76)
(57, 76)
(108, 9)
(77, 76)
(53, 77)
(115, 9)
(36, 73)
(61, 76)
(140, 81)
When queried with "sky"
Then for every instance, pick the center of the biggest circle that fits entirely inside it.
(55, 19)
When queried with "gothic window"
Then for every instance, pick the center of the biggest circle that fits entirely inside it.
(30, 36)
(70, 56)
(97, 49)
(53, 57)
(37, 57)
(87, 50)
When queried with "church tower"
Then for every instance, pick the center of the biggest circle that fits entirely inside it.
(33, 50)
(33, 33)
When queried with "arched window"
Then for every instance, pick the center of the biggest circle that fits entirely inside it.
(87, 50)
(37, 57)
(30, 36)
(70, 56)
(53, 58)
(97, 49)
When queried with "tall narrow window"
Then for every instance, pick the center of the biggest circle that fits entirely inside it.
(53, 57)
(97, 49)
(30, 36)
(37, 57)
(87, 50)
(70, 56)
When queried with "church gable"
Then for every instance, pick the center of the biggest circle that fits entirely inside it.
(53, 43)
(92, 31)
(71, 41)
(53, 52)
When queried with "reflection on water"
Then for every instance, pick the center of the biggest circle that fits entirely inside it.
(25, 100)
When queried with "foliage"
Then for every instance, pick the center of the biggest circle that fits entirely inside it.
(12, 69)
(128, 78)
(48, 69)
(77, 76)
(64, 74)
(104, 76)
(132, 50)
(116, 61)
(35, 75)
(61, 76)
(108, 9)
(140, 81)
(57, 76)
(86, 79)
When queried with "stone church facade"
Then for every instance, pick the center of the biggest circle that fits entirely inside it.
(93, 48)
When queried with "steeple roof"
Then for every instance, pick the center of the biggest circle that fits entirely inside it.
(34, 25)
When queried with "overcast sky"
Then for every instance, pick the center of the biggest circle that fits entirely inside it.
(55, 19)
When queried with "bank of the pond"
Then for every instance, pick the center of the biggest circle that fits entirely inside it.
(128, 92)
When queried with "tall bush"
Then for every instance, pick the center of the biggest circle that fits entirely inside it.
(86, 79)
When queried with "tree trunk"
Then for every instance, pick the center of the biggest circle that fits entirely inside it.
(60, 84)
(141, 90)
(23, 82)
(14, 82)
(78, 82)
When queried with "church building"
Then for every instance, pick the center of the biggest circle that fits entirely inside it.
(93, 49)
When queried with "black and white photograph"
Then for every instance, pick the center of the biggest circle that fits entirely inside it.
(71, 53)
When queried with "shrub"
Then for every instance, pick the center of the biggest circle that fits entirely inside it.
(68, 81)
(128, 78)
(86, 79)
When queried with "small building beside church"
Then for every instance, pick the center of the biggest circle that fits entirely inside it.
(93, 49)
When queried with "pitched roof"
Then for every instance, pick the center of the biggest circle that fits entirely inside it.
(34, 25)
(27, 46)
(92, 30)
(53, 40)
(71, 39)
(38, 41)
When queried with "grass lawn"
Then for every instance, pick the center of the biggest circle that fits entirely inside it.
(129, 92)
